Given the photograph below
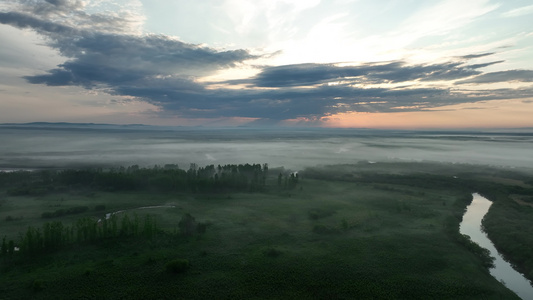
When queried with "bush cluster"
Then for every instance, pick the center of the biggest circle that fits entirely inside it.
(62, 212)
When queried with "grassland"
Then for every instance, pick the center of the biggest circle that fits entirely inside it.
(343, 232)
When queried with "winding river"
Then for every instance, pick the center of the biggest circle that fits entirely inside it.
(502, 271)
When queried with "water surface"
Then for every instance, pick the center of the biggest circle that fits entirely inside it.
(471, 226)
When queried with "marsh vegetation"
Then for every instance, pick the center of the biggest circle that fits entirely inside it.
(385, 230)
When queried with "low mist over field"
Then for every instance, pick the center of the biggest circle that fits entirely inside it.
(82, 145)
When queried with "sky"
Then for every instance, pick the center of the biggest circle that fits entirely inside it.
(339, 63)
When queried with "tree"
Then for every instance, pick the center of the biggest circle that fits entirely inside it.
(150, 226)
(4, 247)
(127, 227)
(187, 225)
(265, 173)
(11, 248)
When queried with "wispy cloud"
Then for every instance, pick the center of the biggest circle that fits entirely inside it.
(517, 12)
(369, 73)
(439, 18)
(471, 56)
(503, 76)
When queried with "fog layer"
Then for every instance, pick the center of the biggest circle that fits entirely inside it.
(32, 146)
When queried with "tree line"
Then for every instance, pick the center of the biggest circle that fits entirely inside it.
(53, 236)
(211, 178)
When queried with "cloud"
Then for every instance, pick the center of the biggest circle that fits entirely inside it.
(521, 11)
(21, 20)
(479, 66)
(502, 76)
(52, 7)
(112, 59)
(72, 13)
(107, 58)
(471, 56)
(441, 18)
(291, 103)
(165, 71)
(391, 72)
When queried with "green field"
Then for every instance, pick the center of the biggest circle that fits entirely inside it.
(381, 231)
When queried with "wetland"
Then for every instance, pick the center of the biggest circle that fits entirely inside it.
(308, 215)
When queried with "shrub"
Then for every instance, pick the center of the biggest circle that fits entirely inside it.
(177, 266)
(322, 229)
(58, 213)
(76, 209)
(482, 253)
(9, 218)
(62, 212)
(187, 225)
(344, 224)
(315, 214)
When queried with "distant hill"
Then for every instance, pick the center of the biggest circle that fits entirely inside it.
(258, 127)
(86, 126)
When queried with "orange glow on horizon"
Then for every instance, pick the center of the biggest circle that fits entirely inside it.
(489, 114)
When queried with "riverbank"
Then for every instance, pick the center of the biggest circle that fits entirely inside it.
(471, 225)
(508, 225)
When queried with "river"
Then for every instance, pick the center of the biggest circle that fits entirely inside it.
(502, 271)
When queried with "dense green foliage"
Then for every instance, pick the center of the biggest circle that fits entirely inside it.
(508, 223)
(53, 236)
(342, 232)
(243, 177)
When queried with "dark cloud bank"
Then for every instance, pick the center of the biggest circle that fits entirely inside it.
(163, 71)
